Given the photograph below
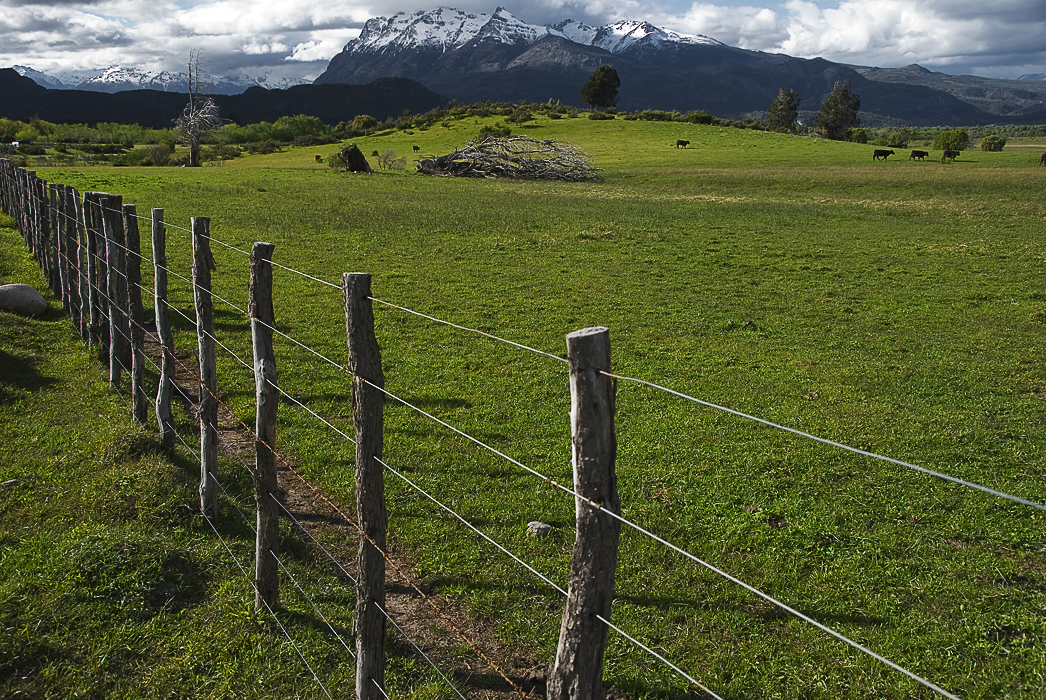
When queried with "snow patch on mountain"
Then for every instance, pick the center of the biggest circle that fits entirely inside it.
(117, 79)
(448, 28)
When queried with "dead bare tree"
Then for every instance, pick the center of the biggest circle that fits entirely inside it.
(200, 114)
(517, 157)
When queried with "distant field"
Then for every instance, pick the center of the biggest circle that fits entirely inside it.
(898, 306)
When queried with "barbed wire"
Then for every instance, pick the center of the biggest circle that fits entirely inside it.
(250, 580)
(662, 541)
(872, 455)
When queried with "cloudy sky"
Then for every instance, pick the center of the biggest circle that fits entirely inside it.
(1001, 38)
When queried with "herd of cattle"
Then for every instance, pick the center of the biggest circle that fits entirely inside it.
(882, 154)
(949, 154)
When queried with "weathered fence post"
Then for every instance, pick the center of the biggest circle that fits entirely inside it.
(95, 265)
(116, 287)
(578, 671)
(367, 406)
(57, 278)
(266, 488)
(140, 400)
(164, 417)
(202, 265)
(83, 256)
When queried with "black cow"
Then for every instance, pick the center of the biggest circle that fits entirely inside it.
(319, 159)
(1042, 160)
(417, 148)
(918, 154)
(881, 154)
(682, 144)
(950, 155)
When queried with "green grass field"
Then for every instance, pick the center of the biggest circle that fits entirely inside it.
(899, 307)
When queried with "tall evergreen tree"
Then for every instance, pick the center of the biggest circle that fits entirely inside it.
(783, 112)
(839, 113)
(600, 90)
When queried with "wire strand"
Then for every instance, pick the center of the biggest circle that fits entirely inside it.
(872, 455)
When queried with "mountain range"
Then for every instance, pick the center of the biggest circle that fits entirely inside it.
(386, 97)
(117, 79)
(471, 57)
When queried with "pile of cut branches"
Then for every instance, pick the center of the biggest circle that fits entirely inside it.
(517, 157)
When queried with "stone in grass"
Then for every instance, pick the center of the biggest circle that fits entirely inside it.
(22, 299)
(538, 529)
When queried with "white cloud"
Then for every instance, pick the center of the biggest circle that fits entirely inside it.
(1002, 38)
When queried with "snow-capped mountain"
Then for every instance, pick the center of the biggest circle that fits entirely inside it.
(49, 80)
(447, 29)
(474, 56)
(117, 79)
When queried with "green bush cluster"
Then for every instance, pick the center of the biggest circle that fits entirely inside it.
(993, 142)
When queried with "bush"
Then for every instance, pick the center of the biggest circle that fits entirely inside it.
(952, 139)
(701, 117)
(134, 157)
(993, 142)
(499, 130)
(599, 116)
(32, 150)
(264, 147)
(362, 122)
(857, 136)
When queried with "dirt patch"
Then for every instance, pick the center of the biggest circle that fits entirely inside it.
(453, 639)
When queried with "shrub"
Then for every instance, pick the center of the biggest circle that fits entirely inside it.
(857, 136)
(499, 130)
(599, 116)
(134, 157)
(993, 142)
(700, 117)
(362, 122)
(952, 139)
(263, 147)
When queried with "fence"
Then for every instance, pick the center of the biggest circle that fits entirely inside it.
(88, 247)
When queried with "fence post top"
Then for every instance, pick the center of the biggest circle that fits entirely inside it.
(586, 332)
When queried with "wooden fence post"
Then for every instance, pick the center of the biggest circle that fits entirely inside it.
(266, 487)
(116, 287)
(367, 406)
(578, 671)
(83, 256)
(164, 417)
(57, 278)
(140, 400)
(202, 265)
(95, 266)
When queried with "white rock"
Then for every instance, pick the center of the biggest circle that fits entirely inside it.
(22, 299)
(538, 529)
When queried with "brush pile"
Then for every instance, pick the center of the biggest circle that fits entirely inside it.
(515, 157)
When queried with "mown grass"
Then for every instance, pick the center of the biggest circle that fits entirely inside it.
(897, 307)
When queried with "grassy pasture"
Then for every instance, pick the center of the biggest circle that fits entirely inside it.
(895, 306)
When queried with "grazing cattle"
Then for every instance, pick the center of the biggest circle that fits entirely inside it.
(918, 154)
(1042, 160)
(319, 159)
(682, 144)
(881, 154)
(417, 148)
(950, 155)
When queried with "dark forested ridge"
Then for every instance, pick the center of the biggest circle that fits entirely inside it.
(723, 80)
(22, 99)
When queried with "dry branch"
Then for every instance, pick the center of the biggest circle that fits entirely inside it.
(517, 157)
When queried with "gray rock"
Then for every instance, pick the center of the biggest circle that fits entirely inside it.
(538, 529)
(22, 299)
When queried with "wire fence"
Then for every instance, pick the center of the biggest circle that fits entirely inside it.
(23, 199)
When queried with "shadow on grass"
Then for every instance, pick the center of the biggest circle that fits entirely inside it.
(22, 373)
